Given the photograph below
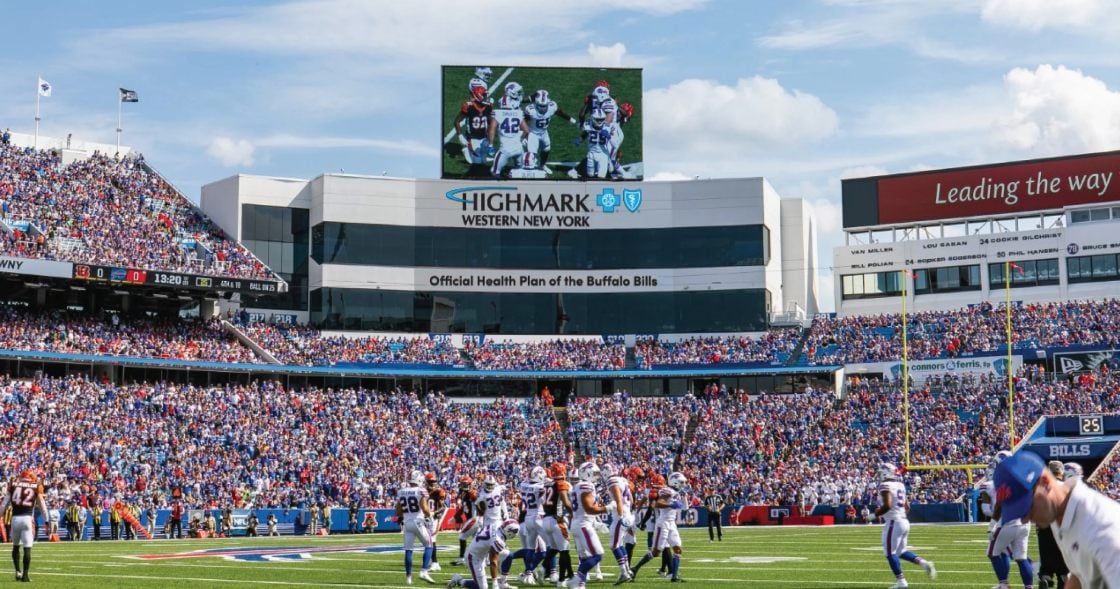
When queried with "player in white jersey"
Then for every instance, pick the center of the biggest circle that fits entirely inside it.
(491, 505)
(538, 115)
(625, 113)
(532, 532)
(668, 504)
(896, 526)
(530, 167)
(1006, 542)
(511, 128)
(600, 135)
(414, 516)
(586, 508)
(620, 502)
(489, 546)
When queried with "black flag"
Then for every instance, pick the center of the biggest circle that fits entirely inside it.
(129, 96)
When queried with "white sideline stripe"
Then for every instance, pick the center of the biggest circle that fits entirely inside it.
(489, 91)
(319, 584)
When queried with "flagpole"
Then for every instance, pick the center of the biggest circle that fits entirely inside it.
(119, 109)
(905, 369)
(1010, 366)
(38, 93)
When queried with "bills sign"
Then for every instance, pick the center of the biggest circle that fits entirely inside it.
(1000, 189)
(134, 276)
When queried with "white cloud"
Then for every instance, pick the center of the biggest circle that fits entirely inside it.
(398, 147)
(606, 55)
(756, 114)
(829, 216)
(862, 172)
(1057, 110)
(231, 152)
(1036, 15)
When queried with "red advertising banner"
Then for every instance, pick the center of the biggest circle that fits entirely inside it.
(1005, 189)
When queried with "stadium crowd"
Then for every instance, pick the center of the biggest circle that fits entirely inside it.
(307, 346)
(63, 333)
(571, 354)
(112, 212)
(258, 444)
(976, 329)
(642, 433)
(717, 350)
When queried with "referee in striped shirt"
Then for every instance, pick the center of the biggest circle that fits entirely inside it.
(714, 503)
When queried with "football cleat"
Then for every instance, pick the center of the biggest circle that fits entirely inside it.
(901, 584)
(504, 584)
(677, 580)
(455, 579)
(929, 569)
(408, 579)
(424, 576)
(458, 562)
(435, 567)
(527, 578)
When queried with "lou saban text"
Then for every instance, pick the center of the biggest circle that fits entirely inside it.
(524, 280)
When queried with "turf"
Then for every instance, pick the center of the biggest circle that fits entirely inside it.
(568, 87)
(835, 557)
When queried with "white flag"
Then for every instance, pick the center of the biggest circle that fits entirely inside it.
(44, 87)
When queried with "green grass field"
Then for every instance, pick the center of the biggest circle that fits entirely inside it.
(567, 86)
(810, 558)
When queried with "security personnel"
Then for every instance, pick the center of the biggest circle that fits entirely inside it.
(74, 520)
(115, 522)
(714, 503)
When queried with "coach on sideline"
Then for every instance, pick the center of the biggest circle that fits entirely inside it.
(1085, 523)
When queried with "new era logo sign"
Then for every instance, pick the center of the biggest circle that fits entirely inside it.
(1070, 365)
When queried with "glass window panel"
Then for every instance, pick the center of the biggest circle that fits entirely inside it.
(1104, 266)
(1080, 216)
(1099, 214)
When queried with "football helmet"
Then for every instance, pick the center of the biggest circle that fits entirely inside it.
(601, 93)
(510, 529)
(490, 483)
(558, 471)
(603, 84)
(541, 100)
(598, 118)
(416, 479)
(538, 475)
(656, 480)
(478, 89)
(608, 470)
(28, 475)
(1072, 470)
(1000, 457)
(514, 92)
(430, 479)
(588, 472)
(626, 109)
(888, 471)
(678, 481)
(483, 73)
(529, 161)
(464, 483)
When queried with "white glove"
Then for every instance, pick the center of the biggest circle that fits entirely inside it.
(628, 521)
(573, 121)
(601, 527)
(611, 507)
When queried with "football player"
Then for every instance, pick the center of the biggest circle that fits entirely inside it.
(599, 99)
(620, 498)
(511, 128)
(1006, 541)
(477, 113)
(414, 515)
(539, 114)
(625, 114)
(532, 537)
(488, 545)
(896, 527)
(529, 167)
(599, 134)
(586, 508)
(464, 516)
(668, 504)
(556, 504)
(437, 504)
(24, 496)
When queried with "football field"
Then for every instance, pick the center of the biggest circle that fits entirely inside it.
(807, 557)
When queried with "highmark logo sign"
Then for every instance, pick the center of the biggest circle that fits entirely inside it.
(505, 206)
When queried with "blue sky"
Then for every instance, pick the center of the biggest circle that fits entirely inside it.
(802, 92)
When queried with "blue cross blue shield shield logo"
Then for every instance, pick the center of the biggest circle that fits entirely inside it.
(632, 199)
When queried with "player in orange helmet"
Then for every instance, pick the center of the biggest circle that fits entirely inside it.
(437, 502)
(24, 496)
(555, 505)
(464, 516)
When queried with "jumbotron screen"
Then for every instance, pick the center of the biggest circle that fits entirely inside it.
(542, 123)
